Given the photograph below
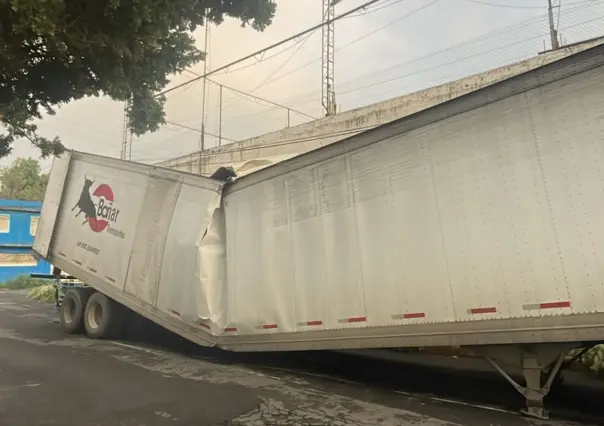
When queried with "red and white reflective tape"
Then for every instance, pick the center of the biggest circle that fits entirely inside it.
(409, 315)
(204, 325)
(482, 310)
(173, 312)
(267, 327)
(546, 305)
(310, 323)
(352, 320)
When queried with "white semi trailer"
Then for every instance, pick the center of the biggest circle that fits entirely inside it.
(476, 223)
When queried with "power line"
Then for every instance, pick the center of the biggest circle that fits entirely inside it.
(434, 67)
(400, 18)
(343, 133)
(463, 58)
(469, 54)
(377, 8)
(263, 59)
(249, 95)
(176, 134)
(506, 6)
(511, 6)
(348, 132)
(198, 131)
(367, 12)
(272, 46)
(283, 64)
(291, 141)
(407, 15)
(238, 117)
(300, 46)
(514, 29)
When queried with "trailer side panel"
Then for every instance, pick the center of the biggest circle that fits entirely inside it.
(488, 217)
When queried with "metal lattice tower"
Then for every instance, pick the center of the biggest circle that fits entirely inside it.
(328, 99)
(553, 30)
(126, 152)
(125, 132)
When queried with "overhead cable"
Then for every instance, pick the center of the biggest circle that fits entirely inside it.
(272, 46)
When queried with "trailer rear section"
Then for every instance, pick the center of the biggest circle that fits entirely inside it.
(475, 223)
(124, 229)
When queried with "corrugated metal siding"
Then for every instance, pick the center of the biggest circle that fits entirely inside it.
(18, 225)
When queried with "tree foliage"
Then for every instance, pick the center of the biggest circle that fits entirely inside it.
(56, 51)
(23, 180)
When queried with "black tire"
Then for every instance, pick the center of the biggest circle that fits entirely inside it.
(71, 314)
(103, 317)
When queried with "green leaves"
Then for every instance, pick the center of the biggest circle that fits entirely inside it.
(56, 51)
(593, 358)
(146, 113)
(23, 180)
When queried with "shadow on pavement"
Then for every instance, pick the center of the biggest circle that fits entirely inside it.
(579, 397)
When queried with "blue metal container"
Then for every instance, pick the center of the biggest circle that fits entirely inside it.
(18, 225)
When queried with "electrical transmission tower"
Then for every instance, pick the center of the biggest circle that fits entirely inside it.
(553, 30)
(202, 140)
(328, 97)
(126, 152)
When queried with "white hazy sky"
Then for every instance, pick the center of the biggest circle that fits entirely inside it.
(395, 47)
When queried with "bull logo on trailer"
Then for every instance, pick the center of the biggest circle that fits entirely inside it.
(100, 214)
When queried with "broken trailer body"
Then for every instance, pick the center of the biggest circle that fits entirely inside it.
(473, 223)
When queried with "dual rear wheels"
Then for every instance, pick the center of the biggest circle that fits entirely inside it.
(85, 310)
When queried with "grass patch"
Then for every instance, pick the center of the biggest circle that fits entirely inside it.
(39, 289)
(593, 359)
(43, 293)
(23, 282)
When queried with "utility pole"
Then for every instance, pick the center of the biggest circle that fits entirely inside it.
(130, 147)
(553, 32)
(202, 141)
(328, 96)
(125, 132)
(220, 117)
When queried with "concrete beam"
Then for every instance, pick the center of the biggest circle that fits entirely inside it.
(292, 141)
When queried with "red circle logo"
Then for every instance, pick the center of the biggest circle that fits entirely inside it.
(105, 191)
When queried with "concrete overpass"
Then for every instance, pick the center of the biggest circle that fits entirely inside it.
(280, 145)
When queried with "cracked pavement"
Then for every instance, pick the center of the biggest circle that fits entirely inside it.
(47, 378)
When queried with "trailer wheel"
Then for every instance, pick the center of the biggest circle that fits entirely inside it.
(102, 317)
(71, 313)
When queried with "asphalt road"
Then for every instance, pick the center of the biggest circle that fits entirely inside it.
(47, 378)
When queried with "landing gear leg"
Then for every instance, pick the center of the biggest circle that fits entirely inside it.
(533, 359)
